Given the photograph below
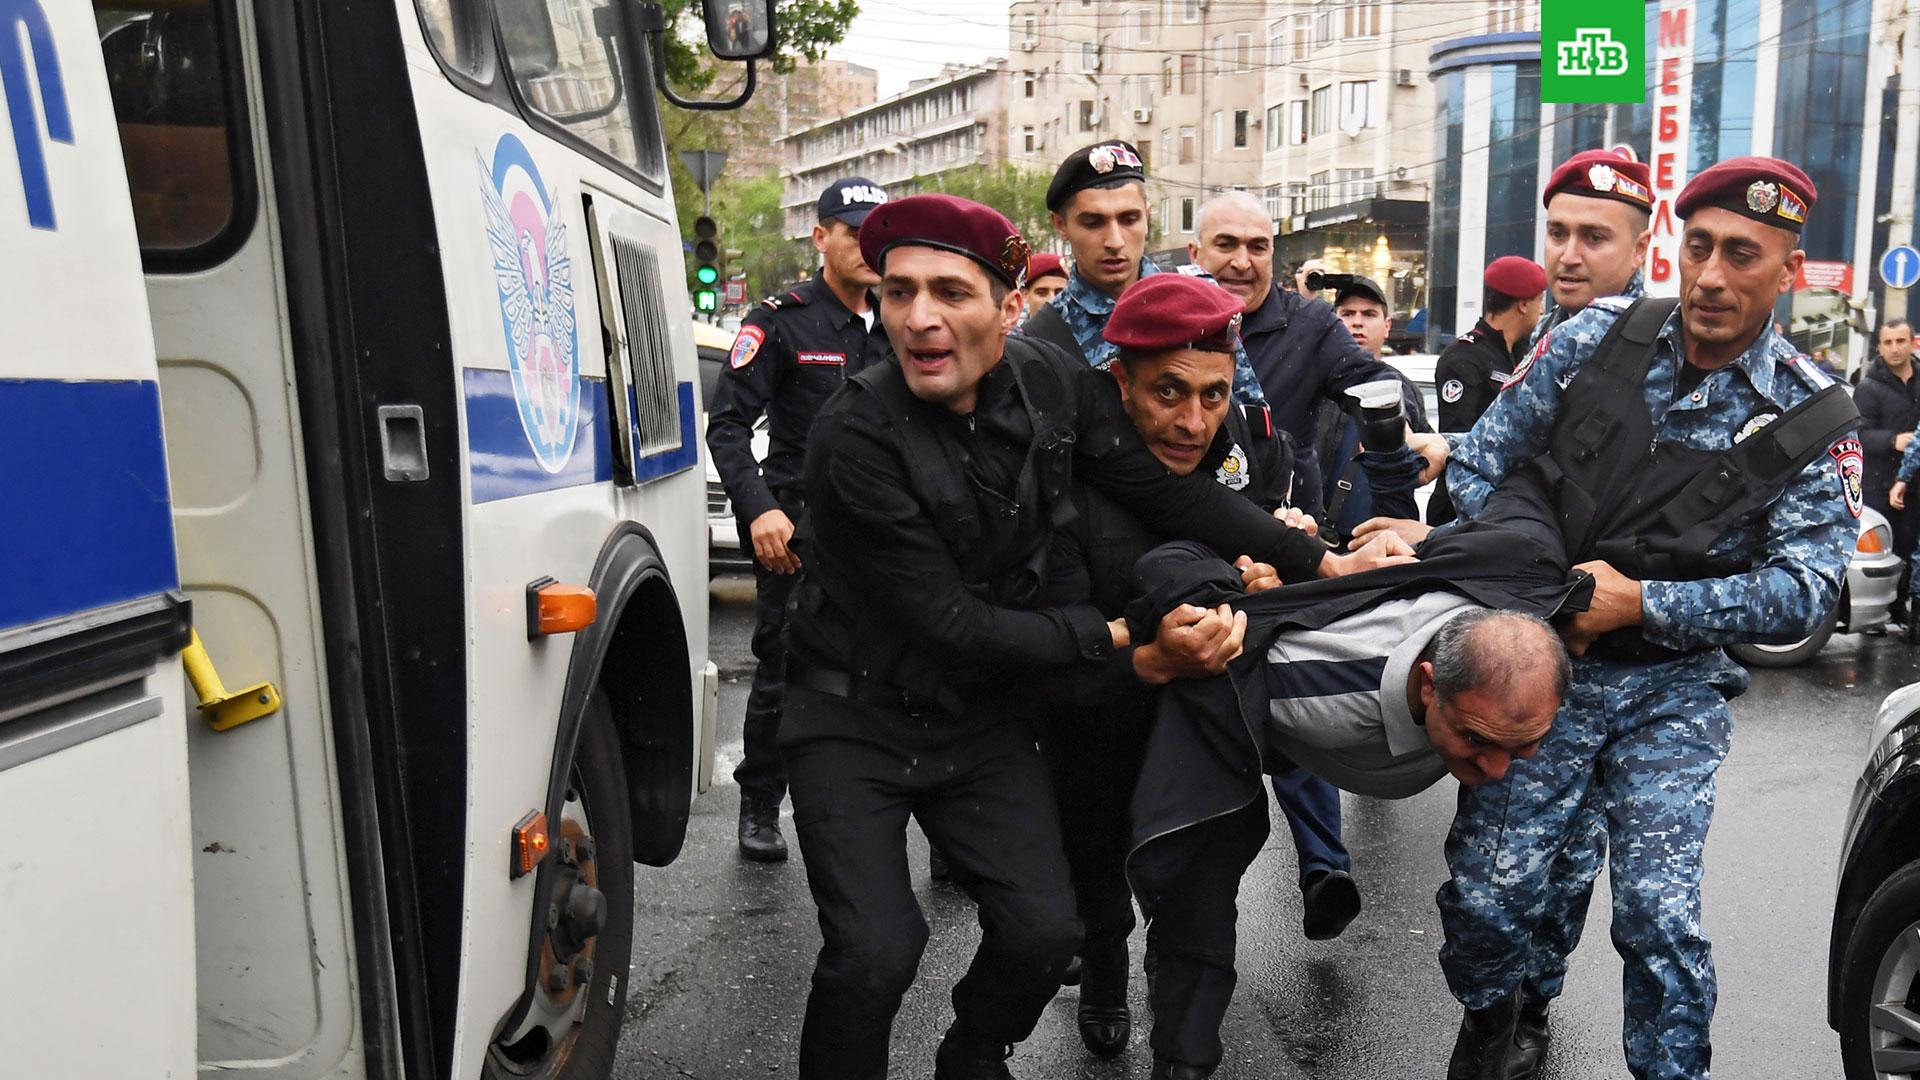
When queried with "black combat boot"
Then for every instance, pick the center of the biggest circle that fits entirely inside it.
(1105, 1022)
(1485, 1043)
(1329, 900)
(1530, 1038)
(1174, 1070)
(962, 1057)
(760, 838)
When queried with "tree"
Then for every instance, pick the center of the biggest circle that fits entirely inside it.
(1019, 193)
(750, 218)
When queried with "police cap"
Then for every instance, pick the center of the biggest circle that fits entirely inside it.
(1768, 190)
(850, 200)
(1098, 165)
(1602, 174)
(948, 223)
(1174, 311)
(1512, 275)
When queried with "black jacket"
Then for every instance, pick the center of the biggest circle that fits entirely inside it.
(886, 590)
(1469, 375)
(1888, 408)
(1204, 756)
(1302, 354)
(792, 351)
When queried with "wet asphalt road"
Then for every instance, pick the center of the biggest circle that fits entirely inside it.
(723, 948)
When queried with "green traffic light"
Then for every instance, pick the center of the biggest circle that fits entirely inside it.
(705, 300)
(706, 275)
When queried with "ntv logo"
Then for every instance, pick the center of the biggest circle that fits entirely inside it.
(1593, 52)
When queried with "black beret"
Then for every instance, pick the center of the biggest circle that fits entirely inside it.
(1092, 166)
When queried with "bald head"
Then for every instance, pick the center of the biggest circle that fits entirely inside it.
(1233, 241)
(1488, 687)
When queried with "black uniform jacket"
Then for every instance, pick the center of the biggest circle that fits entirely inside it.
(887, 581)
(793, 350)
(1204, 756)
(1469, 374)
(1888, 408)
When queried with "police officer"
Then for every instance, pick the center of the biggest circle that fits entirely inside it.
(1175, 335)
(1599, 206)
(792, 351)
(1046, 279)
(1889, 403)
(1098, 203)
(1474, 368)
(1684, 561)
(915, 630)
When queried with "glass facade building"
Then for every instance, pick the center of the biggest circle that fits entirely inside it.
(1790, 78)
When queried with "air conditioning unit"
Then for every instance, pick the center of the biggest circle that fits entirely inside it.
(1028, 44)
(1305, 81)
(1403, 77)
(1141, 116)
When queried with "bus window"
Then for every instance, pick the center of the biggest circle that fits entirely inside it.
(167, 70)
(570, 66)
(457, 32)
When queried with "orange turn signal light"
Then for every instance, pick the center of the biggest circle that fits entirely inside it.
(553, 608)
(1872, 542)
(530, 843)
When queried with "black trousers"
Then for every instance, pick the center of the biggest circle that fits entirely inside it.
(1189, 882)
(761, 774)
(1094, 762)
(980, 792)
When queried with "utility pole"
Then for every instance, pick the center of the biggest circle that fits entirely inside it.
(1906, 143)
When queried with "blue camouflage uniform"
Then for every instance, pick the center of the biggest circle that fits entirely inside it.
(1085, 310)
(1636, 741)
(1909, 465)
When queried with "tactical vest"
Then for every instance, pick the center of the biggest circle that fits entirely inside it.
(1000, 543)
(1653, 510)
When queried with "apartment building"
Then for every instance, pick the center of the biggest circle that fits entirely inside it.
(1183, 80)
(814, 91)
(1348, 132)
(954, 120)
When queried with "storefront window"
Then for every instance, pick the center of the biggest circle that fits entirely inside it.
(1513, 161)
(1443, 290)
(1817, 120)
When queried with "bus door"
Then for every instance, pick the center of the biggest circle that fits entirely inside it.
(276, 969)
(95, 886)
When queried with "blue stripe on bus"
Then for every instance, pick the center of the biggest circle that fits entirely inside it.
(503, 466)
(85, 520)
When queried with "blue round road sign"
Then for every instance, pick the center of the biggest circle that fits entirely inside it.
(1900, 267)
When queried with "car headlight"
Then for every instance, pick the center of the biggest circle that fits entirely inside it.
(1875, 541)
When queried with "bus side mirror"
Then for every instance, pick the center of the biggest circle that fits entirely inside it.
(739, 29)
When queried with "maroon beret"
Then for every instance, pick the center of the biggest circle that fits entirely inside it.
(949, 223)
(1174, 311)
(1768, 190)
(1514, 276)
(1039, 266)
(1602, 174)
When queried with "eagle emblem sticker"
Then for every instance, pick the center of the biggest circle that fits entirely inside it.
(1451, 391)
(1233, 471)
(1851, 459)
(533, 275)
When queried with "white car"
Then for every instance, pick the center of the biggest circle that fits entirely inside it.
(723, 537)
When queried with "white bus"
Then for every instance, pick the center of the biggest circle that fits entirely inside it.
(343, 346)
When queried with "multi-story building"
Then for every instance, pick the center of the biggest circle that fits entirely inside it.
(812, 92)
(955, 120)
(1180, 79)
(1347, 134)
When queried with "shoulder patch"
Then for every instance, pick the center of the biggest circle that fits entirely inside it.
(1233, 471)
(1851, 459)
(746, 346)
(1451, 391)
(1520, 370)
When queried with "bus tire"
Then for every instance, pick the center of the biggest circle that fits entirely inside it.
(597, 779)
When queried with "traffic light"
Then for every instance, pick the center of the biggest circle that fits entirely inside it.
(706, 271)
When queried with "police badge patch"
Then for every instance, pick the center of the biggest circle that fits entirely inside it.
(746, 346)
(1451, 390)
(1851, 459)
(1753, 425)
(1233, 471)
